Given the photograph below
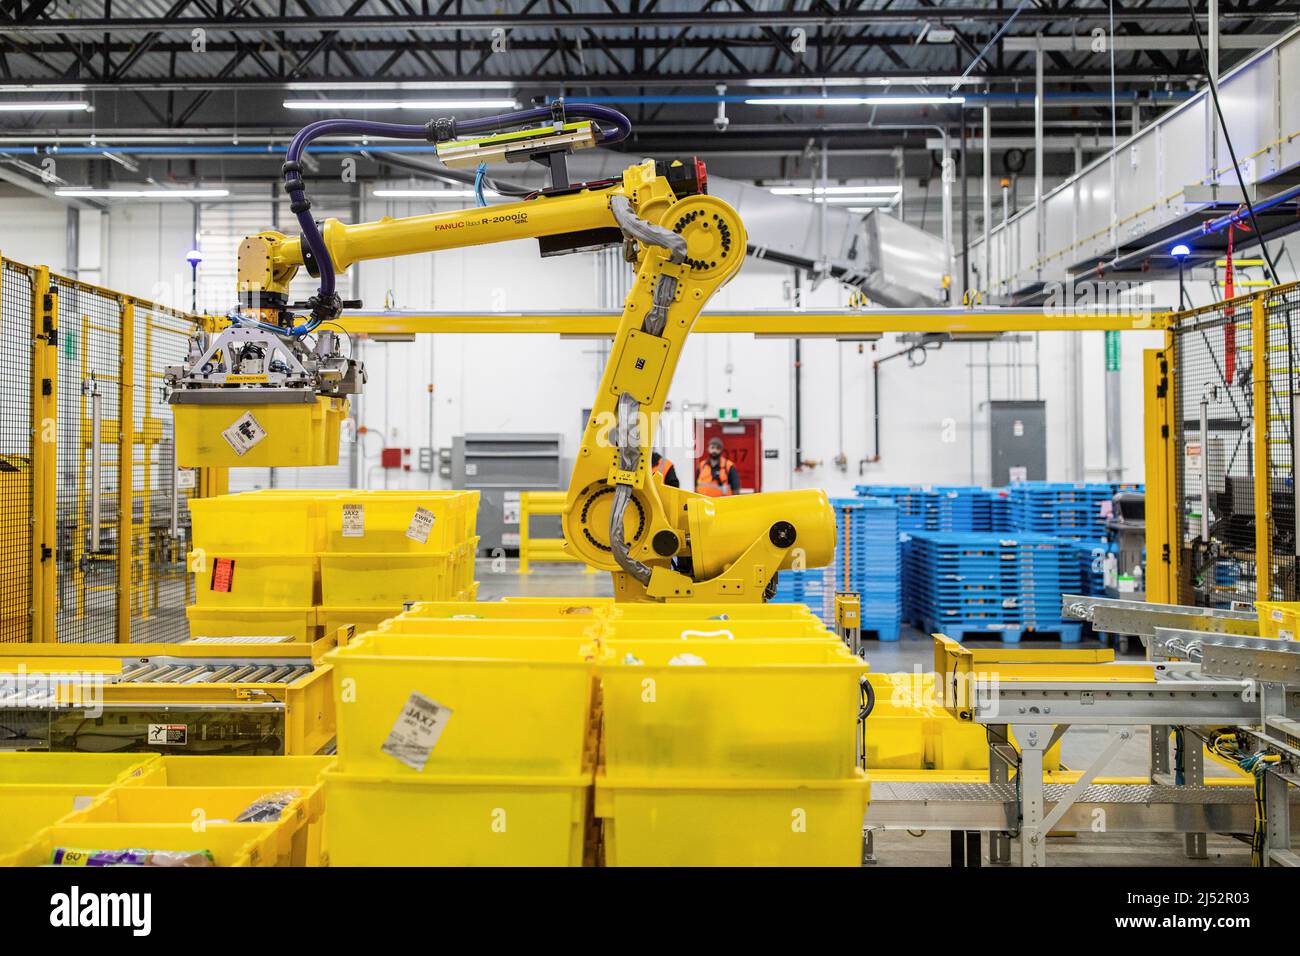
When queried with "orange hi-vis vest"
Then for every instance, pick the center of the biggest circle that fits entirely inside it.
(705, 483)
(662, 468)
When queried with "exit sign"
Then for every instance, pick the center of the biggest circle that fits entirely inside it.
(728, 414)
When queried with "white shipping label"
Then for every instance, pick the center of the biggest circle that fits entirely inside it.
(471, 469)
(1018, 429)
(416, 730)
(186, 479)
(244, 433)
(510, 508)
(1017, 474)
(421, 525)
(354, 521)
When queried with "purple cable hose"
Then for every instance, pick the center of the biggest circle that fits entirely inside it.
(617, 129)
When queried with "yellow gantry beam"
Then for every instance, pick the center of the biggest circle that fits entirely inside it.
(843, 323)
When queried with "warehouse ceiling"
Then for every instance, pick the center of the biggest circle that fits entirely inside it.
(183, 90)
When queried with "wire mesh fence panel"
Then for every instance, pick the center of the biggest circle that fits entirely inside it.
(161, 588)
(89, 526)
(1282, 313)
(1214, 456)
(15, 453)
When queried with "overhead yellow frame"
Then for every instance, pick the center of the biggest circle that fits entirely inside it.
(838, 323)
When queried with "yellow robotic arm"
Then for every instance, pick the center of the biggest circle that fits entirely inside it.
(684, 246)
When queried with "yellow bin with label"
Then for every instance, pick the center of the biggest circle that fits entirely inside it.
(297, 434)
(1278, 619)
(506, 705)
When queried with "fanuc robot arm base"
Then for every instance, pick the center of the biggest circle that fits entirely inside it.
(660, 543)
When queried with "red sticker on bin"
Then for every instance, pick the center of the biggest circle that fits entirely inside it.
(223, 575)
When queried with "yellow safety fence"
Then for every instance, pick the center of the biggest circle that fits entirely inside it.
(532, 504)
(92, 504)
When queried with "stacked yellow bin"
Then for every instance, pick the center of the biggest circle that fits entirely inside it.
(465, 741)
(86, 803)
(728, 739)
(1278, 619)
(303, 563)
(40, 789)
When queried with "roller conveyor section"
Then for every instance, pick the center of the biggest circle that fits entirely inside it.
(214, 672)
(1129, 808)
(1141, 618)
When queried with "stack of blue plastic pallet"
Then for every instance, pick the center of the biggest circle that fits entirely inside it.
(1000, 512)
(811, 586)
(970, 584)
(1084, 567)
(918, 508)
(867, 561)
(962, 508)
(1064, 509)
(945, 507)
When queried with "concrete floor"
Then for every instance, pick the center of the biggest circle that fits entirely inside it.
(500, 578)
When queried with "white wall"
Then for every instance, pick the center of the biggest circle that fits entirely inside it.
(33, 230)
(929, 414)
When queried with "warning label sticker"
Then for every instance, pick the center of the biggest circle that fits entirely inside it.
(416, 731)
(244, 434)
(354, 521)
(168, 735)
(223, 575)
(421, 525)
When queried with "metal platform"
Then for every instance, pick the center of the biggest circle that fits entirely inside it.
(1124, 808)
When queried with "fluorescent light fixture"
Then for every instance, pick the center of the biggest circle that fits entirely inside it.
(42, 88)
(854, 100)
(875, 200)
(33, 106)
(77, 192)
(478, 104)
(428, 193)
(832, 190)
(401, 85)
(819, 82)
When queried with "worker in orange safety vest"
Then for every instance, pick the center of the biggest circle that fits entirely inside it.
(717, 476)
(662, 467)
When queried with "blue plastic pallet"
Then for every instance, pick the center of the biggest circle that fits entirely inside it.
(1066, 633)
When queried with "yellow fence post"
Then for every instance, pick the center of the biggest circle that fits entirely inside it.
(125, 466)
(45, 463)
(541, 549)
(1162, 537)
(524, 515)
(1263, 505)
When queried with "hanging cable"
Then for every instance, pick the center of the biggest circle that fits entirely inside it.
(1114, 123)
(979, 57)
(478, 185)
(1227, 139)
(613, 127)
